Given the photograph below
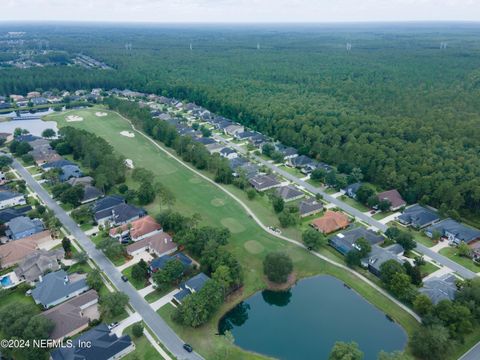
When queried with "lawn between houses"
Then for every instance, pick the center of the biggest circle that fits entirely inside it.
(249, 243)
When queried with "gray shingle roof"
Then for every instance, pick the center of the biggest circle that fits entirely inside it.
(264, 182)
(418, 216)
(23, 223)
(309, 206)
(197, 282)
(104, 345)
(288, 192)
(460, 231)
(107, 202)
(345, 241)
(56, 285)
(7, 195)
(440, 288)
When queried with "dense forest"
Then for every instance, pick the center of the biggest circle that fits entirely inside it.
(396, 105)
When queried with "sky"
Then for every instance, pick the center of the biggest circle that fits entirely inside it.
(240, 11)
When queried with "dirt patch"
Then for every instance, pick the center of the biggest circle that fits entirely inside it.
(101, 114)
(254, 247)
(292, 280)
(73, 118)
(127, 134)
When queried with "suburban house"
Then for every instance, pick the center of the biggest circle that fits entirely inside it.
(159, 244)
(453, 231)
(42, 156)
(10, 213)
(191, 286)
(330, 222)
(301, 161)
(160, 262)
(289, 193)
(14, 252)
(264, 182)
(475, 249)
(287, 152)
(380, 255)
(351, 190)
(74, 315)
(90, 193)
(309, 207)
(137, 230)
(244, 135)
(233, 129)
(241, 166)
(258, 140)
(106, 203)
(103, 345)
(84, 181)
(228, 153)
(70, 171)
(23, 226)
(119, 214)
(346, 241)
(57, 287)
(205, 140)
(38, 263)
(393, 197)
(57, 164)
(39, 101)
(10, 198)
(440, 288)
(214, 148)
(418, 217)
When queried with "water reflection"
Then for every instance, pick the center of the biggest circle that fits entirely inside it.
(277, 298)
(236, 317)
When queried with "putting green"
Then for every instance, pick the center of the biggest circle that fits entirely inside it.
(254, 247)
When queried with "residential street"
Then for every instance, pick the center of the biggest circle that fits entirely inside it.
(157, 325)
(462, 271)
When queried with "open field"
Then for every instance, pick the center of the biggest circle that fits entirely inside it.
(248, 242)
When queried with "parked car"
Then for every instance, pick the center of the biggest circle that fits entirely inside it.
(124, 278)
(113, 325)
(188, 347)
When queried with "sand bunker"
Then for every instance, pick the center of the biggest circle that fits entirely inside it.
(101, 114)
(129, 163)
(72, 118)
(127, 134)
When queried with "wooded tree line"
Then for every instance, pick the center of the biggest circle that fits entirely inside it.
(396, 106)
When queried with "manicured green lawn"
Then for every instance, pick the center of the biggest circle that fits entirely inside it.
(16, 296)
(452, 253)
(248, 243)
(293, 171)
(143, 348)
(354, 203)
(157, 294)
(381, 215)
(136, 284)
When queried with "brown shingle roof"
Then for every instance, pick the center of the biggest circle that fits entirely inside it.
(138, 228)
(159, 242)
(15, 251)
(68, 317)
(330, 222)
(394, 197)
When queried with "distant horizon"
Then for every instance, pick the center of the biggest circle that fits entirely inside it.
(241, 11)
